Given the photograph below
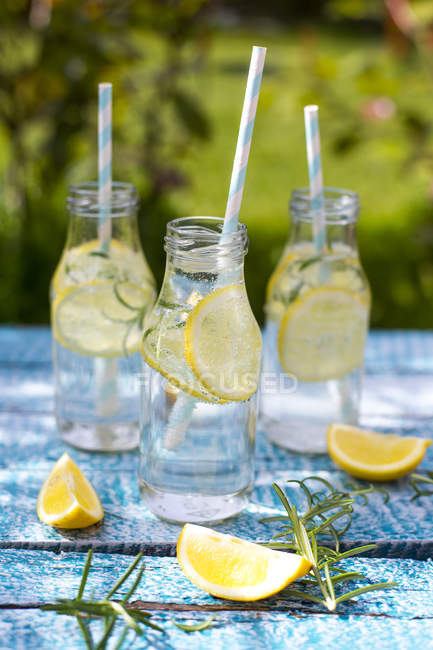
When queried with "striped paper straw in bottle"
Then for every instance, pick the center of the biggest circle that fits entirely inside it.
(105, 369)
(312, 137)
(184, 406)
(104, 163)
(244, 139)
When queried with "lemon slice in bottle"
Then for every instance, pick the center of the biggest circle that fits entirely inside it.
(276, 275)
(100, 318)
(223, 344)
(232, 568)
(163, 350)
(87, 263)
(322, 334)
(67, 498)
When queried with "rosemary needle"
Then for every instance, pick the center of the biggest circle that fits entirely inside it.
(416, 480)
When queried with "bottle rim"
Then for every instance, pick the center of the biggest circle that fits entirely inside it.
(340, 205)
(201, 236)
(83, 199)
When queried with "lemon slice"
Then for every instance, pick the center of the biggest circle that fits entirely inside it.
(223, 344)
(322, 334)
(85, 263)
(276, 275)
(163, 350)
(229, 567)
(374, 456)
(67, 499)
(93, 319)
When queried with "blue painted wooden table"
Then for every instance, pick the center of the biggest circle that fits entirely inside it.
(39, 563)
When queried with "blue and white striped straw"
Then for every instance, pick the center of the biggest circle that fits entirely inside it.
(104, 163)
(244, 139)
(184, 406)
(312, 136)
(105, 369)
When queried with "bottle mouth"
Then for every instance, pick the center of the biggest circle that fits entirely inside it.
(83, 199)
(339, 205)
(200, 237)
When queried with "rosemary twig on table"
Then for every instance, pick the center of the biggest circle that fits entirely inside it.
(112, 611)
(418, 480)
(327, 518)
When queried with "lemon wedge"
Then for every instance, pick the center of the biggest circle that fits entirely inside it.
(374, 456)
(67, 499)
(229, 567)
(223, 344)
(322, 334)
(94, 319)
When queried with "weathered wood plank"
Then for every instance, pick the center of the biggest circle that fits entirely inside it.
(32, 578)
(32, 441)
(400, 527)
(24, 629)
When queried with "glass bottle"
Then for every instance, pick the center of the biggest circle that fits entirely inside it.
(100, 293)
(317, 313)
(202, 350)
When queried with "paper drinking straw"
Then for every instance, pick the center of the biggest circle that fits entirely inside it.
(244, 139)
(105, 369)
(184, 406)
(312, 138)
(104, 163)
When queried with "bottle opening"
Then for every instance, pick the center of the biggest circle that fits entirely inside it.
(197, 237)
(83, 199)
(340, 205)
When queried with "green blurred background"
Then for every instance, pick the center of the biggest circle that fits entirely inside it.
(179, 69)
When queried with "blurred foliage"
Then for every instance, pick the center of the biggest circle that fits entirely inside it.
(52, 56)
(178, 83)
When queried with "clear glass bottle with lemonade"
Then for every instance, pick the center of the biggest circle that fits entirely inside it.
(202, 351)
(317, 315)
(99, 298)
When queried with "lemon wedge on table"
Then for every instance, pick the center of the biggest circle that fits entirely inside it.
(94, 320)
(223, 344)
(232, 568)
(67, 498)
(374, 456)
(322, 334)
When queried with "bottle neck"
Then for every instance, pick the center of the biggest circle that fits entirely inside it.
(197, 247)
(90, 219)
(337, 235)
(339, 210)
(123, 229)
(217, 271)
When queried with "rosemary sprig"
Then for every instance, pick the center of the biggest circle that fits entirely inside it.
(110, 611)
(417, 480)
(328, 515)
